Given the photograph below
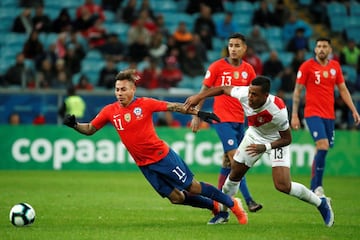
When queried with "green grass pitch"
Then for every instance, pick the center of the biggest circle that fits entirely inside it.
(118, 205)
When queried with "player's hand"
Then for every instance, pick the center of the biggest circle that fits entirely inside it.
(295, 122)
(191, 101)
(208, 116)
(70, 121)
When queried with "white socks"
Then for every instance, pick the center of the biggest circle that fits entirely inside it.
(230, 187)
(300, 191)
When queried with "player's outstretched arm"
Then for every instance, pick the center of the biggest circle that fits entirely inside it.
(84, 128)
(205, 116)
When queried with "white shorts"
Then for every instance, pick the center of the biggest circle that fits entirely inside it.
(280, 157)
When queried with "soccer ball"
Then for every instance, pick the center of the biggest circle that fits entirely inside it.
(22, 214)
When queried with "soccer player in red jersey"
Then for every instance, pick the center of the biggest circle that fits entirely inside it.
(229, 71)
(268, 134)
(319, 76)
(162, 167)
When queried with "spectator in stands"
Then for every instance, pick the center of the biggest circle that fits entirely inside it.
(129, 12)
(111, 5)
(263, 16)
(298, 42)
(60, 45)
(14, 119)
(205, 26)
(199, 47)
(350, 54)
(23, 22)
(72, 60)
(157, 48)
(191, 64)
(145, 6)
(342, 113)
(80, 44)
(182, 35)
(33, 47)
(257, 41)
(138, 51)
(254, 60)
(49, 53)
(226, 26)
(63, 78)
(41, 21)
(39, 119)
(172, 47)
(95, 10)
(150, 76)
(298, 59)
(139, 31)
(113, 48)
(273, 66)
(84, 84)
(161, 27)
(107, 74)
(171, 74)
(292, 24)
(30, 4)
(18, 74)
(147, 21)
(63, 22)
(280, 14)
(73, 104)
(287, 84)
(84, 21)
(46, 74)
(195, 6)
(318, 10)
(286, 88)
(96, 35)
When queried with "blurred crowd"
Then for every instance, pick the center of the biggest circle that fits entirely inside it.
(165, 56)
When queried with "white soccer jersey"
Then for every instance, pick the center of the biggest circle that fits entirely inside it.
(265, 122)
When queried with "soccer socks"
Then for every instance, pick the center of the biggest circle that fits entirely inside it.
(224, 172)
(198, 201)
(213, 193)
(301, 192)
(318, 169)
(230, 187)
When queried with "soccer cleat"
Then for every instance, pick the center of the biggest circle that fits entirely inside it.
(254, 206)
(239, 212)
(221, 217)
(216, 209)
(326, 211)
(319, 191)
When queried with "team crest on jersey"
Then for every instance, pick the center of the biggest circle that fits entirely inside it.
(332, 72)
(325, 74)
(236, 75)
(244, 75)
(138, 112)
(127, 117)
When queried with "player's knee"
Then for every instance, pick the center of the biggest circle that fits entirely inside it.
(226, 161)
(282, 187)
(176, 197)
(322, 144)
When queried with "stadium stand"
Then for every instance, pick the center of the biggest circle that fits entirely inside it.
(343, 22)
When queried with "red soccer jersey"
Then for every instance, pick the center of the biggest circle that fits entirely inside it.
(222, 73)
(319, 82)
(136, 129)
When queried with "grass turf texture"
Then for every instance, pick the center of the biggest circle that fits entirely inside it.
(116, 205)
